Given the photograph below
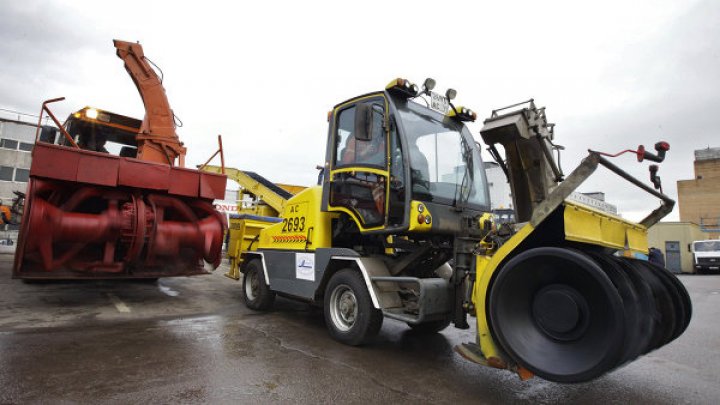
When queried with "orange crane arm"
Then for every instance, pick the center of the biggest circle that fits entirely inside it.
(157, 139)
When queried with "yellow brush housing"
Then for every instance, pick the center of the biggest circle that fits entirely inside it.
(581, 224)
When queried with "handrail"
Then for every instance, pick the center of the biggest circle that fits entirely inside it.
(45, 108)
(222, 156)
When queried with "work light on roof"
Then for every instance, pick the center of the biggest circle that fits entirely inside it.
(463, 114)
(428, 85)
(403, 87)
(91, 113)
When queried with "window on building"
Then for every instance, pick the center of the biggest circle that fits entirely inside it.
(22, 175)
(8, 143)
(28, 147)
(6, 173)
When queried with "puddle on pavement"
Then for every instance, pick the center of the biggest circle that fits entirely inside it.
(168, 291)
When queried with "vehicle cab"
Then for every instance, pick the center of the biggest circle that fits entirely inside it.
(103, 131)
(402, 161)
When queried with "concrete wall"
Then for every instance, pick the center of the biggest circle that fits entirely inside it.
(682, 232)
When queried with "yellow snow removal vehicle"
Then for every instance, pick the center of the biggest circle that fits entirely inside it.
(400, 227)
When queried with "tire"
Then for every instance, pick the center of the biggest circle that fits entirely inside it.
(430, 327)
(350, 315)
(257, 293)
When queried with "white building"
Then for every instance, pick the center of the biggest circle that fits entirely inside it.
(16, 143)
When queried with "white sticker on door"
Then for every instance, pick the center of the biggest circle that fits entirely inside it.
(305, 266)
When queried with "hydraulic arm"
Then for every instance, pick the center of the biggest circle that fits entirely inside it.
(157, 140)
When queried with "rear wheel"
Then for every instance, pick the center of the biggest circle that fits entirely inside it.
(350, 315)
(258, 295)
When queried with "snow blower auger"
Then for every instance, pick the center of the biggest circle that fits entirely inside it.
(92, 214)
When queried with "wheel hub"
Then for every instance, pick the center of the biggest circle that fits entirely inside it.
(560, 312)
(348, 307)
(344, 308)
(253, 285)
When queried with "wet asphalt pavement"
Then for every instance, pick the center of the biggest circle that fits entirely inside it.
(191, 340)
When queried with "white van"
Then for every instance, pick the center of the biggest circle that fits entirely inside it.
(706, 255)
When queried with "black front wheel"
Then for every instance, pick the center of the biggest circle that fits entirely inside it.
(350, 315)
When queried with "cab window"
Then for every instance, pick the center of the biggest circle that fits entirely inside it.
(351, 151)
(345, 142)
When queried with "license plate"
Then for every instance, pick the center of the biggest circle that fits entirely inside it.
(438, 102)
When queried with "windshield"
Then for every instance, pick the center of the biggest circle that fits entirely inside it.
(445, 166)
(708, 246)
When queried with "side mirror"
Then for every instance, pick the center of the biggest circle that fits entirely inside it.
(363, 122)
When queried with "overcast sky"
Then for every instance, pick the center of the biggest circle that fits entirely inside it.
(613, 74)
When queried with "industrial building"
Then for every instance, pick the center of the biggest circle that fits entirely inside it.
(699, 198)
(674, 239)
(699, 205)
(16, 144)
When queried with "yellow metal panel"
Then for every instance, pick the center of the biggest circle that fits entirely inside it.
(613, 232)
(486, 267)
(588, 225)
(303, 226)
(260, 210)
(637, 239)
(581, 225)
(243, 235)
(415, 225)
